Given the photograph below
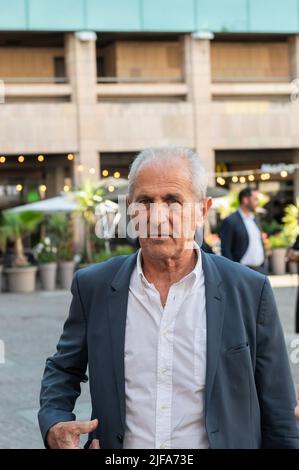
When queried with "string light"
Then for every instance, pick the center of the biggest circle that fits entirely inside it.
(105, 173)
(43, 188)
(92, 171)
(41, 158)
(19, 187)
(251, 177)
(111, 189)
(2, 159)
(70, 157)
(117, 174)
(220, 180)
(80, 168)
(66, 188)
(242, 179)
(283, 174)
(265, 176)
(235, 179)
(21, 159)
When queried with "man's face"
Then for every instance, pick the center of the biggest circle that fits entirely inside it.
(251, 202)
(167, 208)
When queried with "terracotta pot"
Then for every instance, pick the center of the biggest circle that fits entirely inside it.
(48, 275)
(21, 279)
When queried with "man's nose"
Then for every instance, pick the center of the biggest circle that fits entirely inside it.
(159, 213)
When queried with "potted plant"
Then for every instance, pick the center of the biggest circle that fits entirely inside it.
(88, 199)
(279, 244)
(59, 227)
(46, 254)
(21, 275)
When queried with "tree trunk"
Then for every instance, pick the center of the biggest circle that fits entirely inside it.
(20, 258)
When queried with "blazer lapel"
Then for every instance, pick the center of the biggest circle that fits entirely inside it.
(117, 300)
(215, 305)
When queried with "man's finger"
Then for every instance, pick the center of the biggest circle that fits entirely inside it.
(87, 426)
(95, 444)
(297, 412)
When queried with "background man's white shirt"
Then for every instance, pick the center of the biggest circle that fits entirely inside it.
(165, 363)
(254, 255)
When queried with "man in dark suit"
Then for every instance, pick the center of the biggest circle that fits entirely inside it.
(241, 238)
(184, 349)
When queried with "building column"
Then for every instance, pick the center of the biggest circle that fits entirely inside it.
(294, 56)
(82, 73)
(197, 68)
(296, 175)
(294, 70)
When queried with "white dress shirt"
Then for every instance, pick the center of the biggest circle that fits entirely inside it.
(254, 255)
(165, 363)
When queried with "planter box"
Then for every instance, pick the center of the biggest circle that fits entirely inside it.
(279, 261)
(21, 279)
(66, 272)
(293, 267)
(48, 275)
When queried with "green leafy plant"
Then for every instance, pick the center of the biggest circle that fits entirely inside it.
(118, 251)
(17, 226)
(46, 252)
(281, 240)
(290, 222)
(272, 227)
(88, 198)
(59, 228)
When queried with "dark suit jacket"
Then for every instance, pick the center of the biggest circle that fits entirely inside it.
(234, 237)
(249, 395)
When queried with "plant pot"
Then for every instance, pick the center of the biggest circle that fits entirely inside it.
(48, 275)
(66, 272)
(293, 267)
(21, 279)
(279, 261)
(1, 270)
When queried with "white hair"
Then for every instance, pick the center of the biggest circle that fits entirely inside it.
(166, 155)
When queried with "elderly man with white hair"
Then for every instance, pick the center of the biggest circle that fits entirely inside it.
(184, 349)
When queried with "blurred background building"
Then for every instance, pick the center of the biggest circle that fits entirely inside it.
(88, 83)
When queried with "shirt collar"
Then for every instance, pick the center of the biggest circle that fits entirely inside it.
(193, 275)
(246, 216)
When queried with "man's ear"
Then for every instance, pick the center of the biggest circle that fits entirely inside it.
(206, 206)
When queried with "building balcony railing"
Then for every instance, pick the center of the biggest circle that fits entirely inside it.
(109, 87)
(36, 87)
(268, 89)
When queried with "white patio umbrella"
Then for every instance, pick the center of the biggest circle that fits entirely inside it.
(53, 204)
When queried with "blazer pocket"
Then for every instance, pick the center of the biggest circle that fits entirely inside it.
(238, 348)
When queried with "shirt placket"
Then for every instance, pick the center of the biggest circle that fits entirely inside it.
(165, 370)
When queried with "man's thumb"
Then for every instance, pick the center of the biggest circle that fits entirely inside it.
(88, 426)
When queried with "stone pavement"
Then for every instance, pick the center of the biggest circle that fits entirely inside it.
(30, 325)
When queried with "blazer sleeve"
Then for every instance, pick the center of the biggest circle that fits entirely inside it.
(65, 370)
(226, 236)
(273, 377)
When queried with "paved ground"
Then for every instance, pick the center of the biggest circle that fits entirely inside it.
(30, 326)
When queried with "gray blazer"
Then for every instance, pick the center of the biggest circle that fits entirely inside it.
(249, 395)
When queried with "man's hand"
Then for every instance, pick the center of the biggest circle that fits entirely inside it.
(66, 435)
(95, 444)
